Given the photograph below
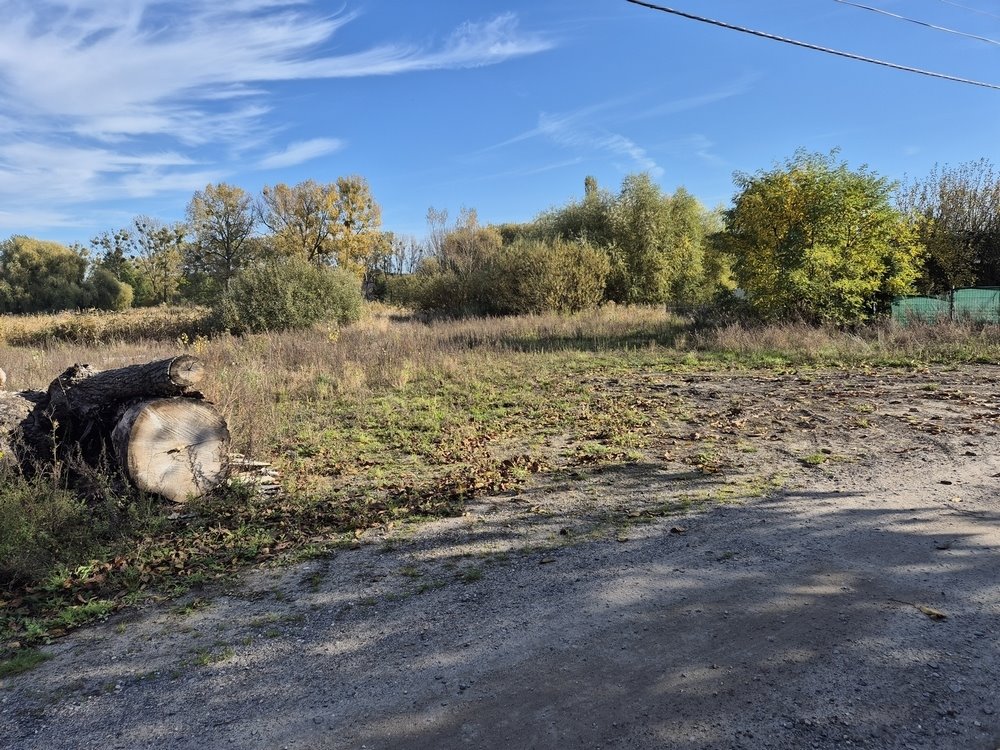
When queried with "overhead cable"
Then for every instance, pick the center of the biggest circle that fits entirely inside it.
(920, 23)
(969, 8)
(816, 47)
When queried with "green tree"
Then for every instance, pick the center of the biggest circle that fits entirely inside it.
(112, 251)
(221, 219)
(534, 276)
(106, 291)
(656, 243)
(816, 240)
(588, 220)
(158, 254)
(41, 276)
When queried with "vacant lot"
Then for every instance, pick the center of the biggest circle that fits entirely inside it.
(648, 542)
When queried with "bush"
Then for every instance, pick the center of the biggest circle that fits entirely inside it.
(555, 276)
(287, 294)
(107, 292)
(530, 276)
(405, 290)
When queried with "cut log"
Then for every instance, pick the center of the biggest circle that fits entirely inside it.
(164, 437)
(174, 447)
(15, 408)
(82, 392)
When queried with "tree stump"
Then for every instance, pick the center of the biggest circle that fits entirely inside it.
(143, 419)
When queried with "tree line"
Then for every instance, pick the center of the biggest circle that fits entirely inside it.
(809, 238)
(293, 249)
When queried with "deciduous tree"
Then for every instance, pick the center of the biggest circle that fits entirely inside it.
(356, 230)
(336, 223)
(221, 219)
(301, 218)
(158, 255)
(41, 276)
(814, 239)
(957, 210)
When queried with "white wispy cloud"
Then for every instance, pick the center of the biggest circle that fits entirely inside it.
(570, 133)
(698, 145)
(596, 127)
(302, 151)
(93, 91)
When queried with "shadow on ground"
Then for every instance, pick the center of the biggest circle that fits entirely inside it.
(787, 623)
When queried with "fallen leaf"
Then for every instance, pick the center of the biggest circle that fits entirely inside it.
(932, 613)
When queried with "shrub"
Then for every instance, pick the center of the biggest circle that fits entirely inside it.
(287, 294)
(107, 292)
(555, 276)
(530, 276)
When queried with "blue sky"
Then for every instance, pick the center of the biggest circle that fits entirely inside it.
(113, 108)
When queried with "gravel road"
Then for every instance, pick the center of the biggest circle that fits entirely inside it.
(786, 621)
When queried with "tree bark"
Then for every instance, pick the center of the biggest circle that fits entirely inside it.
(15, 410)
(83, 392)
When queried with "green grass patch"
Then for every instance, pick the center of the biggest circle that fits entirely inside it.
(22, 661)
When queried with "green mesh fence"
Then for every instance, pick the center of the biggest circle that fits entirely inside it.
(981, 305)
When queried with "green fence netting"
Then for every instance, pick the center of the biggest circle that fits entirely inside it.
(980, 304)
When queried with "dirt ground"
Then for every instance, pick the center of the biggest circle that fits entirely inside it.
(833, 583)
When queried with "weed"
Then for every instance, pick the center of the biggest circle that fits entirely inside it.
(22, 661)
(191, 607)
(470, 575)
(426, 586)
(206, 657)
(815, 459)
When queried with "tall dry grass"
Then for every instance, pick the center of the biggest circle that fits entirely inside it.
(254, 379)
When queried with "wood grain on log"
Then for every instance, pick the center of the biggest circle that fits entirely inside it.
(174, 447)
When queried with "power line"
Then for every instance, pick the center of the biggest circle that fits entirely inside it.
(974, 10)
(817, 48)
(920, 23)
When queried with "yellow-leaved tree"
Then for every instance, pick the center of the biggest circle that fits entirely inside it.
(812, 239)
(335, 223)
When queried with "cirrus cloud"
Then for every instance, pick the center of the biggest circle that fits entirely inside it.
(104, 101)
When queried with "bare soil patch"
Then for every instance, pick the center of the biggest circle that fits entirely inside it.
(804, 559)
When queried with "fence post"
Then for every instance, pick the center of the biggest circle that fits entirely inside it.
(951, 305)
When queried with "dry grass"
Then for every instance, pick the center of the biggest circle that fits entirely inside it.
(95, 327)
(885, 343)
(256, 377)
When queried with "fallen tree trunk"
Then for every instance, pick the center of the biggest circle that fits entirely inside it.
(84, 392)
(141, 420)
